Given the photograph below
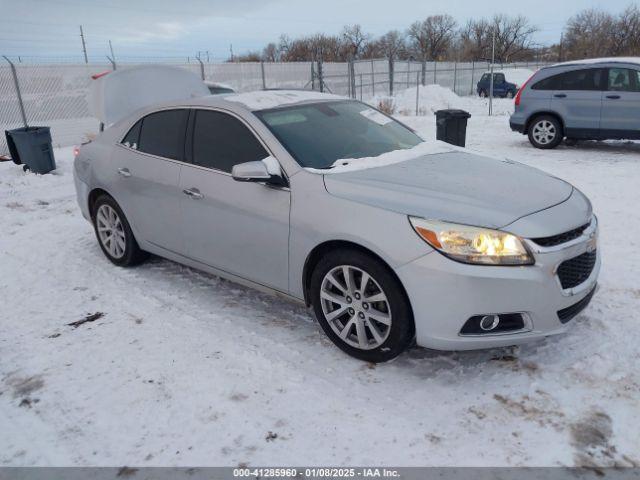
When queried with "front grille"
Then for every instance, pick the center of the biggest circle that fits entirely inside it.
(568, 313)
(576, 270)
(561, 237)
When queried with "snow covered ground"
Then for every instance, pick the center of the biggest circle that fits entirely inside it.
(183, 368)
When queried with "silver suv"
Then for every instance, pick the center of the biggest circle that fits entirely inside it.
(594, 99)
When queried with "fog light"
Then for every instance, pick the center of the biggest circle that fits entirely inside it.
(495, 323)
(489, 322)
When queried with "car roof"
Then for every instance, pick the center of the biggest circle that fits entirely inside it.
(598, 61)
(253, 101)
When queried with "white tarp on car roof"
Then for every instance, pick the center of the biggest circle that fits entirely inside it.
(119, 93)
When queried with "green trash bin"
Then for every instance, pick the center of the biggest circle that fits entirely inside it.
(31, 147)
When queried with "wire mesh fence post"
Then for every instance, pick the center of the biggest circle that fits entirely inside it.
(373, 80)
(455, 76)
(408, 71)
(320, 78)
(435, 72)
(264, 80)
(473, 71)
(417, 93)
(313, 78)
(424, 72)
(360, 87)
(201, 67)
(390, 76)
(352, 79)
(16, 84)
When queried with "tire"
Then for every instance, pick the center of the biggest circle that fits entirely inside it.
(482, 94)
(510, 94)
(121, 249)
(545, 132)
(378, 330)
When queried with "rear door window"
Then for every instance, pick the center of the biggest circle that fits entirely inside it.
(162, 133)
(587, 79)
(623, 80)
(221, 141)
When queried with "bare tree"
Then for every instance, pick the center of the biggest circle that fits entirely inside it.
(595, 33)
(270, 53)
(392, 44)
(432, 37)
(354, 40)
(513, 38)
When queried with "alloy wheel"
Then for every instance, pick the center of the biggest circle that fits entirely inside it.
(111, 231)
(356, 307)
(544, 132)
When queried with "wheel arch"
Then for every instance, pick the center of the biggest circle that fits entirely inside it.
(324, 248)
(551, 113)
(93, 196)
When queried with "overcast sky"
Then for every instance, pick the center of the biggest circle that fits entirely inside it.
(183, 27)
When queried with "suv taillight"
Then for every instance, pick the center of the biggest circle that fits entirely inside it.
(519, 94)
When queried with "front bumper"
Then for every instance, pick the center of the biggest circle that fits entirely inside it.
(444, 294)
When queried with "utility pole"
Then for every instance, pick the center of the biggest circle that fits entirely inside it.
(560, 49)
(84, 45)
(493, 60)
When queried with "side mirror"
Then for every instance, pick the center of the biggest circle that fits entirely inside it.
(261, 171)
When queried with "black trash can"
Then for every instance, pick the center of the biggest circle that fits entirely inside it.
(452, 126)
(32, 147)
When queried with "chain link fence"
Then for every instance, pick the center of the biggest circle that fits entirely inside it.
(55, 94)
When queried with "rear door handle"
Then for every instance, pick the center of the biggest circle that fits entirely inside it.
(613, 97)
(193, 193)
(124, 172)
(560, 95)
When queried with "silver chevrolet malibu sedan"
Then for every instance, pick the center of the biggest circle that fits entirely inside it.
(391, 239)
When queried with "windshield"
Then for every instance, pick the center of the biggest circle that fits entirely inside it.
(318, 134)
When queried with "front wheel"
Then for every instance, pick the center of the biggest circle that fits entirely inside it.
(545, 132)
(482, 94)
(361, 306)
(114, 233)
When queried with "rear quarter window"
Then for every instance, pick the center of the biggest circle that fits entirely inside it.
(132, 138)
(549, 83)
(162, 134)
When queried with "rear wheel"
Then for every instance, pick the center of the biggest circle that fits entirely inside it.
(482, 94)
(510, 94)
(545, 132)
(114, 233)
(361, 306)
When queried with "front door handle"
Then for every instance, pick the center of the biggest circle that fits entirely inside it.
(193, 193)
(124, 172)
(613, 97)
(560, 95)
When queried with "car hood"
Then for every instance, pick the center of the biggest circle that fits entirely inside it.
(457, 186)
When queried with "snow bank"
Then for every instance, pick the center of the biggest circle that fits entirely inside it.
(260, 100)
(431, 98)
(396, 156)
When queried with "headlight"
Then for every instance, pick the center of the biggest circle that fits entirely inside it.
(472, 244)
